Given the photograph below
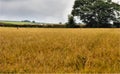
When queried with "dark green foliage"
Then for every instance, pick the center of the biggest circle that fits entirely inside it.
(33, 21)
(96, 13)
(71, 22)
(25, 21)
(32, 25)
(117, 24)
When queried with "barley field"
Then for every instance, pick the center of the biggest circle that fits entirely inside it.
(34, 50)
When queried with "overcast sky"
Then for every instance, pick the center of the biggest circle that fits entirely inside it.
(50, 11)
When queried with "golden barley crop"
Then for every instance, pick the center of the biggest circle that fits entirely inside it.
(37, 50)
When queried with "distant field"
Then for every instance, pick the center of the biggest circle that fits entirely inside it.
(17, 22)
(59, 50)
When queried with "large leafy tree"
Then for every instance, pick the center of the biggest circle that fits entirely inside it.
(96, 13)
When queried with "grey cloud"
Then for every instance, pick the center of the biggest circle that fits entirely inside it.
(41, 10)
(10, 0)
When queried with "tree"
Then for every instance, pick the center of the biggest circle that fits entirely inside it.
(117, 23)
(96, 13)
(71, 22)
(33, 21)
(26, 21)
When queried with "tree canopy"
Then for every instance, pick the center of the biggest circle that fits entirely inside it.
(96, 13)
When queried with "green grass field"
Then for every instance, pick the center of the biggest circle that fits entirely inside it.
(17, 23)
(34, 50)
